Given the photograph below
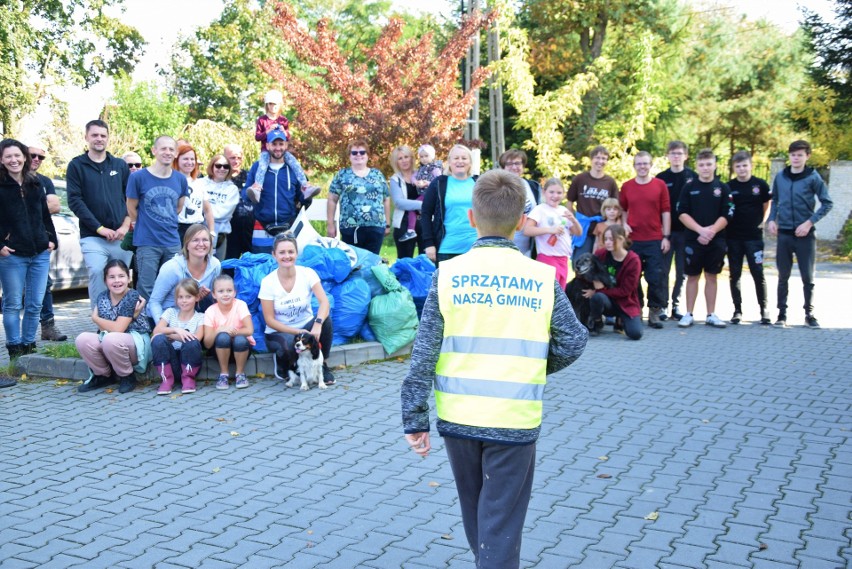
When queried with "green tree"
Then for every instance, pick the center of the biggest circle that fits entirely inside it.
(825, 107)
(404, 92)
(215, 70)
(141, 112)
(53, 42)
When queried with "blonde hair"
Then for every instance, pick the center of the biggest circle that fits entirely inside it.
(611, 202)
(394, 157)
(464, 149)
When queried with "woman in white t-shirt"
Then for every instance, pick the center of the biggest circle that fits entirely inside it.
(285, 297)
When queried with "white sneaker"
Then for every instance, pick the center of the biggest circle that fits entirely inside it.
(686, 320)
(715, 321)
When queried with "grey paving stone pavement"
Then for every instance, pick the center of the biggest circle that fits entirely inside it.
(735, 440)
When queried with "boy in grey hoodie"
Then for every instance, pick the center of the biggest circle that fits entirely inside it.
(792, 219)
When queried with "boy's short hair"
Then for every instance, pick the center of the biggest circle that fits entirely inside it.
(705, 154)
(222, 277)
(741, 156)
(96, 122)
(800, 145)
(512, 154)
(599, 149)
(498, 202)
(643, 154)
(677, 145)
(610, 202)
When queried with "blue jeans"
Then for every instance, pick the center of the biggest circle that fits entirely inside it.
(16, 275)
(97, 251)
(47, 304)
(369, 238)
(149, 259)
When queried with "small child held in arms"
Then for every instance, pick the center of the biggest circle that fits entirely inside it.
(612, 214)
(429, 170)
(228, 328)
(273, 119)
(176, 341)
(552, 225)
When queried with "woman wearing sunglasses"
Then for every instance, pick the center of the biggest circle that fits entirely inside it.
(223, 196)
(364, 199)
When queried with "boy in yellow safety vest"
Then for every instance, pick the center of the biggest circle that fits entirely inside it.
(495, 323)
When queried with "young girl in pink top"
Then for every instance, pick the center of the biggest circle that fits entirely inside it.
(552, 225)
(228, 328)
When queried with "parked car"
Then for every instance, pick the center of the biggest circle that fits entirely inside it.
(67, 268)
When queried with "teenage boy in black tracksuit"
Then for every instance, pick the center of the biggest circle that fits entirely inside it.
(705, 209)
(675, 177)
(750, 196)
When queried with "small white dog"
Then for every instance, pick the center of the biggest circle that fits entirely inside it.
(308, 362)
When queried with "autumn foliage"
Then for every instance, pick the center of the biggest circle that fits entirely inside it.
(404, 93)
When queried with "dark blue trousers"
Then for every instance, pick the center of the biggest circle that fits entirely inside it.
(494, 483)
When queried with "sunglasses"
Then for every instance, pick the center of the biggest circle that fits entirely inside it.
(37, 156)
(134, 164)
(358, 152)
(222, 166)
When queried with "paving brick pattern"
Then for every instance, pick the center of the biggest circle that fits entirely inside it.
(737, 439)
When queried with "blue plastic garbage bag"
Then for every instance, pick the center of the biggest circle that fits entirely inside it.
(249, 270)
(366, 261)
(330, 264)
(415, 275)
(351, 304)
(366, 332)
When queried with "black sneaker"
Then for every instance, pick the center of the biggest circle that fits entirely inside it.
(97, 382)
(811, 321)
(737, 317)
(782, 320)
(765, 321)
(676, 313)
(127, 383)
(327, 376)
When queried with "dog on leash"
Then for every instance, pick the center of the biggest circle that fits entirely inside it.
(308, 362)
(587, 269)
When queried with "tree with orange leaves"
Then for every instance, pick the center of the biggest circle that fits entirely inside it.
(404, 93)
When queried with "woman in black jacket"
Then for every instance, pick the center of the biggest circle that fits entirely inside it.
(446, 229)
(27, 237)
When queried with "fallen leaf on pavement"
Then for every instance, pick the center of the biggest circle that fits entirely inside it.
(434, 484)
(108, 390)
(234, 434)
(604, 475)
(446, 536)
(221, 419)
(763, 546)
(604, 457)
(652, 516)
(215, 469)
(61, 382)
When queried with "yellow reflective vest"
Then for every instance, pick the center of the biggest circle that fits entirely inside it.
(496, 304)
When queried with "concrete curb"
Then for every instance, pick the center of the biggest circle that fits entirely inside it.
(259, 364)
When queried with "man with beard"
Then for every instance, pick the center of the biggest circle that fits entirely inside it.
(278, 202)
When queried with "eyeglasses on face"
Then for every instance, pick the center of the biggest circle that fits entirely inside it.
(37, 156)
(222, 166)
(134, 164)
(514, 164)
(358, 152)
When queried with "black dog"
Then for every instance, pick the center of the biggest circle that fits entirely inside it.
(587, 269)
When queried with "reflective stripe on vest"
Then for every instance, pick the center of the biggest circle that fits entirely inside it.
(496, 305)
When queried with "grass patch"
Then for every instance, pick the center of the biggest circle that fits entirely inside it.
(846, 239)
(64, 350)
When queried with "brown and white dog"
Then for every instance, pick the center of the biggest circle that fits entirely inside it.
(308, 362)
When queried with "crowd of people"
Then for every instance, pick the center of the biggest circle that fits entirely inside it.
(174, 225)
